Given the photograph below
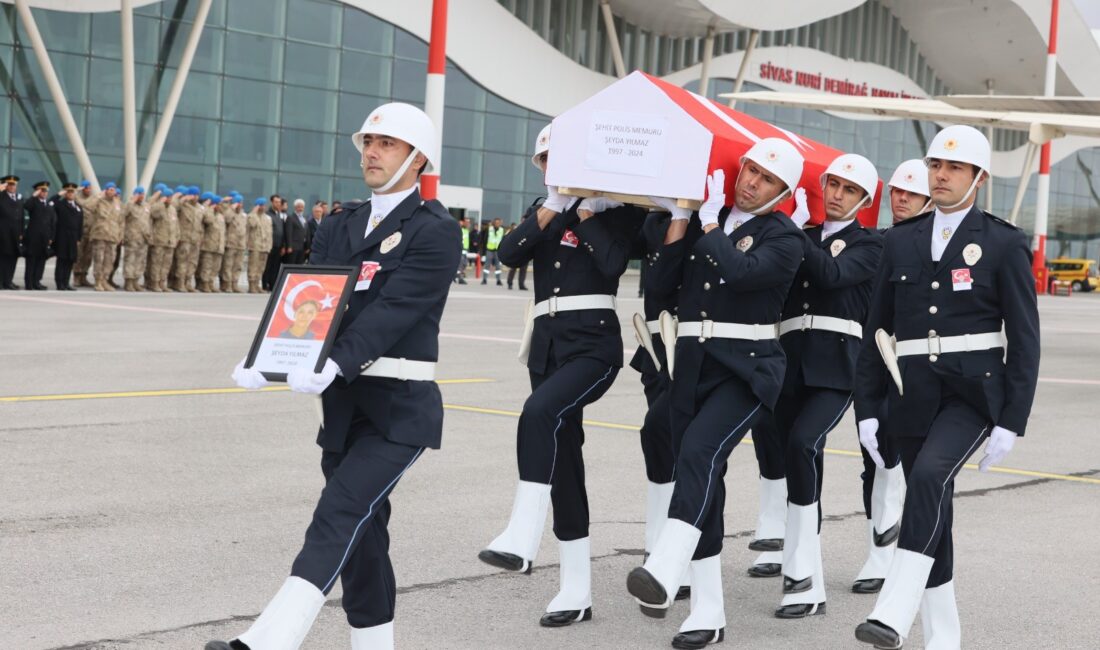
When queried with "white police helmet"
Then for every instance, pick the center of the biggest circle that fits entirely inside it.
(854, 168)
(780, 158)
(911, 176)
(404, 122)
(961, 143)
(542, 145)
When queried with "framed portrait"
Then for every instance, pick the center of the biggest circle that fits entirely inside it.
(301, 319)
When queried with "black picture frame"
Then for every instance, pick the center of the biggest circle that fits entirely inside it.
(349, 273)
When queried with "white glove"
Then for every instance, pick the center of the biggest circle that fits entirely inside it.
(598, 204)
(867, 430)
(248, 378)
(555, 201)
(678, 213)
(304, 380)
(801, 213)
(716, 198)
(1000, 443)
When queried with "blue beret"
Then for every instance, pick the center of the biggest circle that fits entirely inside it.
(139, 190)
(193, 191)
(181, 189)
(260, 201)
(85, 183)
(110, 186)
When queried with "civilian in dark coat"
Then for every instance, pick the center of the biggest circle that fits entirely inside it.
(275, 257)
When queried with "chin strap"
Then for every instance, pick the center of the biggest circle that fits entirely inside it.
(856, 208)
(948, 208)
(764, 209)
(924, 208)
(398, 174)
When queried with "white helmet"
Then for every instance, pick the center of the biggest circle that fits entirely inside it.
(542, 144)
(911, 176)
(961, 143)
(404, 122)
(854, 168)
(780, 158)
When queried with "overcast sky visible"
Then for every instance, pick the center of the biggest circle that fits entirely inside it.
(1090, 9)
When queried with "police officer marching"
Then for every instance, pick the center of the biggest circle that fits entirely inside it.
(579, 250)
(734, 267)
(884, 489)
(820, 334)
(384, 353)
(948, 282)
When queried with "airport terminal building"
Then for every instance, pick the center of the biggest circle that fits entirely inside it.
(276, 86)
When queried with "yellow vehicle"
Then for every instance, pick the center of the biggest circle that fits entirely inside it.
(1081, 274)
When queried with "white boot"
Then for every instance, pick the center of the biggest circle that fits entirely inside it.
(901, 593)
(887, 499)
(771, 519)
(287, 618)
(939, 616)
(666, 564)
(658, 498)
(708, 610)
(378, 637)
(878, 559)
(524, 532)
(575, 577)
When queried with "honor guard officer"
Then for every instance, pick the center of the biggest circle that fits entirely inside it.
(948, 281)
(579, 250)
(11, 230)
(820, 334)
(382, 407)
(38, 235)
(734, 268)
(884, 489)
(70, 228)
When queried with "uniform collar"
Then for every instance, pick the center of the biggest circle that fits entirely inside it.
(383, 204)
(736, 219)
(830, 228)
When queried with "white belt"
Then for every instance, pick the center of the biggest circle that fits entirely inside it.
(654, 326)
(947, 344)
(573, 303)
(709, 329)
(402, 369)
(826, 323)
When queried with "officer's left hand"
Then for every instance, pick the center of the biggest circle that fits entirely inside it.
(801, 213)
(868, 430)
(594, 205)
(248, 378)
(669, 205)
(1000, 443)
(304, 380)
(716, 199)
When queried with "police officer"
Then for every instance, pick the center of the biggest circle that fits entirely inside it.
(11, 230)
(734, 267)
(579, 250)
(106, 233)
(948, 282)
(137, 238)
(70, 228)
(258, 242)
(884, 489)
(38, 235)
(384, 353)
(493, 235)
(820, 334)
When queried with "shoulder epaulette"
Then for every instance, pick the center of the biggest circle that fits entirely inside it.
(912, 220)
(436, 208)
(1000, 221)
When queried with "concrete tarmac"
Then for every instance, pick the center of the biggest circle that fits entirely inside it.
(147, 503)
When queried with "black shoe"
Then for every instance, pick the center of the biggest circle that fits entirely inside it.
(462, 280)
(41, 287)
(882, 636)
(225, 645)
(484, 282)
(869, 586)
(499, 283)
(765, 570)
(698, 638)
(764, 545)
(889, 537)
(800, 611)
(522, 288)
(70, 288)
(509, 287)
(29, 288)
(12, 287)
(792, 586)
(683, 593)
(651, 596)
(567, 617)
(505, 561)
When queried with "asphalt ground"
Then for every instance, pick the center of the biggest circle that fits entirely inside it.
(147, 503)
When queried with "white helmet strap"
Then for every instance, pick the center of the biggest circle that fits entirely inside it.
(856, 208)
(977, 177)
(766, 208)
(399, 173)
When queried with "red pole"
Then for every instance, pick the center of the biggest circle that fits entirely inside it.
(433, 96)
(1042, 205)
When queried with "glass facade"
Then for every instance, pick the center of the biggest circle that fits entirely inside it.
(275, 90)
(277, 86)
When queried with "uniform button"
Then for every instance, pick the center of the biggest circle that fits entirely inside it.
(935, 284)
(557, 289)
(557, 265)
(805, 305)
(701, 339)
(752, 354)
(988, 374)
(702, 314)
(805, 284)
(691, 257)
(904, 278)
(933, 358)
(931, 332)
(601, 322)
(933, 309)
(706, 286)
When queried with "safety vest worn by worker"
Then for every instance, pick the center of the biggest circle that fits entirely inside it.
(465, 239)
(495, 237)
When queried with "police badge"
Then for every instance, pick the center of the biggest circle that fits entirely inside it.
(837, 246)
(971, 254)
(390, 243)
(745, 243)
